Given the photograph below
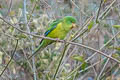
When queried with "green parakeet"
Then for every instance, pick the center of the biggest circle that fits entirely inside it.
(57, 29)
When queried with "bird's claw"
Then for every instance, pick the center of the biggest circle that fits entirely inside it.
(57, 40)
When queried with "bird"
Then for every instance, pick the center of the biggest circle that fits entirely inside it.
(57, 29)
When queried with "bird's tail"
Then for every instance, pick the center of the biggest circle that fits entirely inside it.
(39, 48)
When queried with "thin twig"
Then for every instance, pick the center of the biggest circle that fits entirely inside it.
(61, 59)
(10, 6)
(79, 8)
(10, 58)
(28, 30)
(32, 12)
(102, 15)
(99, 11)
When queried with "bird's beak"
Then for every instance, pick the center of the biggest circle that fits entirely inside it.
(74, 25)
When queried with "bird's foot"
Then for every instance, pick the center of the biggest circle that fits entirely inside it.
(58, 40)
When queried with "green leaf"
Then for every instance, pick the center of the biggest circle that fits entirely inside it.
(106, 39)
(20, 36)
(90, 25)
(116, 56)
(105, 1)
(114, 47)
(116, 26)
(1, 57)
(32, 0)
(97, 21)
(78, 58)
(84, 65)
(37, 7)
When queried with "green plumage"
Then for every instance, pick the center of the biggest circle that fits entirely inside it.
(57, 29)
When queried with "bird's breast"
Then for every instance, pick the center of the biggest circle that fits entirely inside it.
(58, 32)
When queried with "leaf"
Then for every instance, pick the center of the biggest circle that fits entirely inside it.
(116, 56)
(20, 36)
(71, 36)
(105, 1)
(14, 20)
(116, 26)
(37, 7)
(1, 55)
(11, 29)
(114, 47)
(97, 21)
(104, 61)
(0, 6)
(78, 58)
(117, 48)
(32, 1)
(106, 38)
(90, 25)
(11, 13)
(84, 65)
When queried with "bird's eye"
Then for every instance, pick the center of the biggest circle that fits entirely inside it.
(70, 21)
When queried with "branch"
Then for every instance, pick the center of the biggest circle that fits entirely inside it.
(10, 59)
(108, 8)
(63, 41)
(28, 30)
(99, 11)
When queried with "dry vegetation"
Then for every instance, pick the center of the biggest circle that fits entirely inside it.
(90, 52)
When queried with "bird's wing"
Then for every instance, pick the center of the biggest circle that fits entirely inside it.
(52, 26)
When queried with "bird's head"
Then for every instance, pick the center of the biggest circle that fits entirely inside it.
(70, 22)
